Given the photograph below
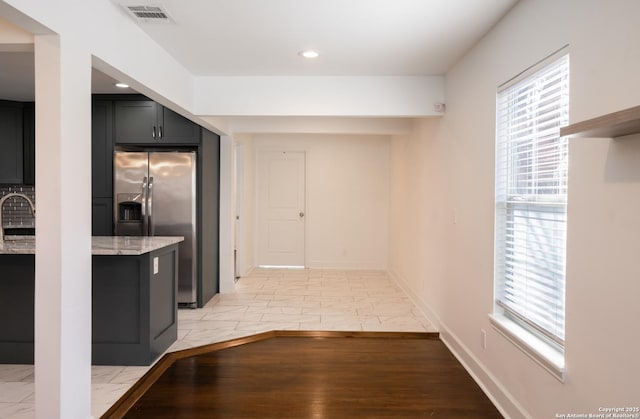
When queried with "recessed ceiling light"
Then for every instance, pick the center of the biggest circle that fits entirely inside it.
(309, 53)
(121, 85)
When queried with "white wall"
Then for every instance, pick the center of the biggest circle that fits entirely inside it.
(14, 38)
(417, 233)
(62, 297)
(382, 96)
(347, 195)
(118, 46)
(451, 165)
(318, 125)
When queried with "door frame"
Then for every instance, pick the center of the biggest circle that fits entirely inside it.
(240, 222)
(259, 150)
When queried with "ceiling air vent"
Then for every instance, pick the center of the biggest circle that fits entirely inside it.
(149, 14)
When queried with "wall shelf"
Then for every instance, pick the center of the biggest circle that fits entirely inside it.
(613, 125)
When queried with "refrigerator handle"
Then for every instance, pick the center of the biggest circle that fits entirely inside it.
(150, 208)
(145, 227)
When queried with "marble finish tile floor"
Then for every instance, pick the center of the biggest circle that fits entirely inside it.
(267, 299)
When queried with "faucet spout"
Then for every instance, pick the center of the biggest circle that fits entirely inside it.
(14, 195)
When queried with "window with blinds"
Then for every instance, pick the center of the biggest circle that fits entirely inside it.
(531, 199)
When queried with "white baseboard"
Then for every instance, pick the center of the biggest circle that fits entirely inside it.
(347, 265)
(247, 271)
(496, 392)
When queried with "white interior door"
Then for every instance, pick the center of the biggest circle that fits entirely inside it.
(281, 209)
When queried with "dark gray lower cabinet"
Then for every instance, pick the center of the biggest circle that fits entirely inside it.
(16, 308)
(134, 310)
(134, 315)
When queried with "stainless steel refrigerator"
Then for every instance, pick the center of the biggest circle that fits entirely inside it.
(155, 195)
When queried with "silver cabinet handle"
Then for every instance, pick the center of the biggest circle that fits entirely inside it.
(153, 132)
(152, 227)
(301, 214)
(160, 132)
(145, 221)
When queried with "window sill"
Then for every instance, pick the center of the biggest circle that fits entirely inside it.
(546, 356)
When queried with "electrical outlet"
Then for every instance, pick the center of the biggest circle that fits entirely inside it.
(155, 265)
(483, 338)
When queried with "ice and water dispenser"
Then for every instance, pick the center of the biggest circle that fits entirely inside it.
(129, 216)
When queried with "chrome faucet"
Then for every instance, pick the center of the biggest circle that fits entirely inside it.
(16, 195)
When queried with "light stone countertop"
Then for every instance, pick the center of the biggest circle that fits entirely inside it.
(100, 245)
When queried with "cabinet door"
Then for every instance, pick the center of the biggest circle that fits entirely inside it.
(176, 129)
(29, 144)
(102, 217)
(136, 122)
(102, 149)
(11, 149)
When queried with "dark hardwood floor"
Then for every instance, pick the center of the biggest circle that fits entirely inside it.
(309, 375)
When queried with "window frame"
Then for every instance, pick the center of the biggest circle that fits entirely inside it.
(542, 345)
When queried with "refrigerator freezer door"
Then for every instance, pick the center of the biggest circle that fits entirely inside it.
(129, 212)
(174, 211)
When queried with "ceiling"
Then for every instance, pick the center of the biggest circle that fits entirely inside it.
(354, 37)
(18, 75)
(259, 37)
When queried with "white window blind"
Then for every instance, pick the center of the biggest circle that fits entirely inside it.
(531, 199)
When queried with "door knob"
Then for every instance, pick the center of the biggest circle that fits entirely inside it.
(301, 214)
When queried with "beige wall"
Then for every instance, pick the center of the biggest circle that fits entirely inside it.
(448, 267)
(418, 218)
(347, 197)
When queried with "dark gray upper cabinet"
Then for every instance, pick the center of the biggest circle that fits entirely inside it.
(11, 142)
(135, 122)
(102, 167)
(29, 144)
(177, 129)
(102, 149)
(146, 122)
